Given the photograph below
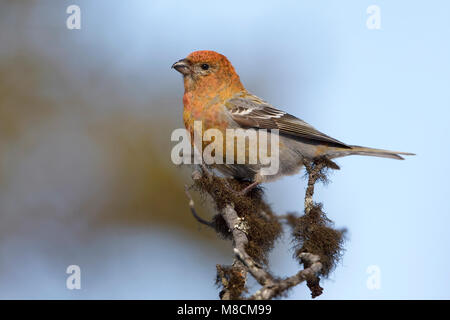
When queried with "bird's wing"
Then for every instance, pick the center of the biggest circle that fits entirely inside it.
(252, 112)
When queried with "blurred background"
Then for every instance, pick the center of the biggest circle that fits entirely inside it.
(85, 123)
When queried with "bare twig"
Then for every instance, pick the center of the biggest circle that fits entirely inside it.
(239, 227)
(194, 212)
(280, 286)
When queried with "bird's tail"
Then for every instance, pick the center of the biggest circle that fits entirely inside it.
(364, 151)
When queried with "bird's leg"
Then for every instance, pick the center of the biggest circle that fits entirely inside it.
(257, 180)
(249, 187)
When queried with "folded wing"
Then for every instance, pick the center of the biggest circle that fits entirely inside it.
(252, 112)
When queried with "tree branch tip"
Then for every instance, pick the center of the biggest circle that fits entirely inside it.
(311, 258)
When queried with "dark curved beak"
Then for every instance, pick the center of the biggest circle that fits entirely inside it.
(182, 66)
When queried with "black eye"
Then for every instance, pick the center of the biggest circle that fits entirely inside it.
(205, 66)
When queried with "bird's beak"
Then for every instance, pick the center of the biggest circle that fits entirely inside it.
(182, 66)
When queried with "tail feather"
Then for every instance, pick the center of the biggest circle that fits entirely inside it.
(364, 151)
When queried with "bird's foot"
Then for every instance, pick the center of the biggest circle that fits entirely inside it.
(248, 188)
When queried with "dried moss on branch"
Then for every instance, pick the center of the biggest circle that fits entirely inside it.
(249, 222)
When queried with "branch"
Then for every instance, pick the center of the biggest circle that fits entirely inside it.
(271, 287)
(315, 172)
(271, 291)
(194, 212)
(239, 228)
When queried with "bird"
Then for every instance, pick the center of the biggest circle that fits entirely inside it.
(215, 95)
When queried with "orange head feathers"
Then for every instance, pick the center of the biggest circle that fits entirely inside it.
(209, 81)
(207, 72)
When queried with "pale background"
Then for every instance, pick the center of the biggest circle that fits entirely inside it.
(86, 117)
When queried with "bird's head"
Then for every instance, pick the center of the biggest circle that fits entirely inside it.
(208, 69)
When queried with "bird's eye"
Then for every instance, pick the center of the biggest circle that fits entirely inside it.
(205, 66)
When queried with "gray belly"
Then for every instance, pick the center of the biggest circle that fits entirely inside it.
(292, 151)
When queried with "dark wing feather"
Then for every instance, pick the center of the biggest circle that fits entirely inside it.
(252, 112)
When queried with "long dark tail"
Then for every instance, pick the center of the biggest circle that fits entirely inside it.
(364, 151)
